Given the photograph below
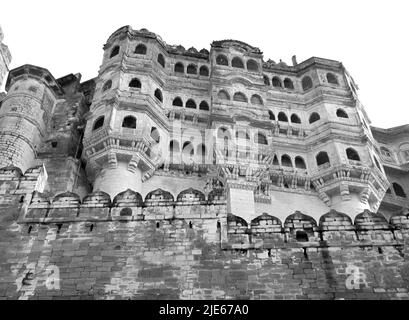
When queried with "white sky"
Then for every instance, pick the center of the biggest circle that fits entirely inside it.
(369, 37)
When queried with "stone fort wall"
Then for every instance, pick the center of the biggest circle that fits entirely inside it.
(188, 247)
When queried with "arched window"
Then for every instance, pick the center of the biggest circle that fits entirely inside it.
(129, 122)
(282, 117)
(300, 163)
(203, 106)
(114, 52)
(276, 82)
(352, 154)
(158, 95)
(261, 138)
(331, 78)
(237, 63)
(295, 118)
(306, 83)
(98, 123)
(271, 115)
(256, 99)
(301, 236)
(204, 71)
(314, 117)
(266, 80)
(223, 95)
(238, 96)
(288, 83)
(179, 67)
(286, 161)
(161, 60)
(191, 69)
(322, 158)
(275, 161)
(188, 148)
(140, 49)
(135, 83)
(155, 134)
(398, 190)
(191, 104)
(177, 102)
(341, 113)
(221, 60)
(252, 65)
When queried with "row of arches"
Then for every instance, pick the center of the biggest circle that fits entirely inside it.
(187, 149)
(276, 82)
(294, 118)
(237, 62)
(191, 69)
(190, 104)
(240, 97)
(224, 133)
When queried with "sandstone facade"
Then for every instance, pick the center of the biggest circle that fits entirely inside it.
(187, 174)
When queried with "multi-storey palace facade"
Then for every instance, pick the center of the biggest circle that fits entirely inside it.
(173, 166)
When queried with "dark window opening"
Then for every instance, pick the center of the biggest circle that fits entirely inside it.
(300, 163)
(352, 154)
(140, 49)
(129, 122)
(301, 236)
(286, 161)
(322, 158)
(54, 144)
(256, 99)
(252, 65)
(125, 212)
(191, 104)
(29, 229)
(161, 60)
(266, 80)
(314, 117)
(179, 67)
(288, 83)
(114, 52)
(282, 117)
(341, 114)
(271, 115)
(276, 82)
(241, 97)
(398, 190)
(98, 123)
(222, 60)
(204, 71)
(158, 95)
(204, 106)
(306, 83)
(295, 118)
(135, 83)
(177, 102)
(237, 63)
(331, 78)
(157, 225)
(191, 69)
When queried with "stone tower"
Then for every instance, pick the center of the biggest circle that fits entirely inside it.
(25, 114)
(126, 127)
